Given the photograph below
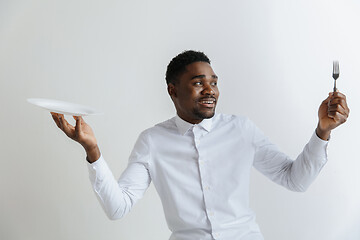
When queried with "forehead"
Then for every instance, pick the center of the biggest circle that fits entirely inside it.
(198, 68)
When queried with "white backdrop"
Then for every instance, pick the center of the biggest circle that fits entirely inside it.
(274, 62)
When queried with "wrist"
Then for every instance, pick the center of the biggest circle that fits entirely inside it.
(92, 154)
(323, 134)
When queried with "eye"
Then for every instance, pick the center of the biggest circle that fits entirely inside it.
(197, 83)
(214, 83)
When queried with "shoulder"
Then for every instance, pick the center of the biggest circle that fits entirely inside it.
(168, 124)
(165, 126)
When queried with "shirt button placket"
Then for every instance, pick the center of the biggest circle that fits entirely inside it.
(204, 177)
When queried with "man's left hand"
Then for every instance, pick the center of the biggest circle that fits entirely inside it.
(333, 112)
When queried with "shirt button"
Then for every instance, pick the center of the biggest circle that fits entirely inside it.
(211, 213)
(207, 188)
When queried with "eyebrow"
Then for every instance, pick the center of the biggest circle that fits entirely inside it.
(203, 76)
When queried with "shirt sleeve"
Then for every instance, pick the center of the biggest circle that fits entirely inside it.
(118, 197)
(295, 175)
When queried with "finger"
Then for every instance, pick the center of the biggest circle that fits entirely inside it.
(53, 114)
(338, 94)
(339, 118)
(56, 119)
(78, 125)
(80, 117)
(65, 126)
(332, 114)
(341, 101)
(60, 117)
(327, 100)
(338, 101)
(337, 108)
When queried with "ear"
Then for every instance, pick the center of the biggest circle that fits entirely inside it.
(171, 90)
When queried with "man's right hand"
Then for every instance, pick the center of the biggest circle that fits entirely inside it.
(81, 133)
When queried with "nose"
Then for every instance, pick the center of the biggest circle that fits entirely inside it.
(208, 90)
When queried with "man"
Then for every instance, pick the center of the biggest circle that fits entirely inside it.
(200, 161)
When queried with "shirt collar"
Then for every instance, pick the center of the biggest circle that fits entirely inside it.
(184, 126)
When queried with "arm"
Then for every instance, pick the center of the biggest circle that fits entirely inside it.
(116, 197)
(299, 174)
(294, 175)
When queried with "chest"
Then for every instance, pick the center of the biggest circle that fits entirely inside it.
(188, 160)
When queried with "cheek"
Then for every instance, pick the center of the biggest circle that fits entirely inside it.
(193, 92)
(188, 97)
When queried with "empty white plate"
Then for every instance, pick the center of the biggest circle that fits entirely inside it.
(62, 107)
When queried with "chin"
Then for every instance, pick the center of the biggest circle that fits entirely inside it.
(205, 115)
(211, 115)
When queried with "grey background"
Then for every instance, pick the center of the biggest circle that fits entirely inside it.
(274, 62)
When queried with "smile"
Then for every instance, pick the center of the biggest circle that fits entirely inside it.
(208, 102)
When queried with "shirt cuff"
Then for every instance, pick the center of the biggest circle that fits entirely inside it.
(97, 170)
(318, 146)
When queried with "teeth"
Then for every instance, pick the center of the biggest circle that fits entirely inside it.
(208, 102)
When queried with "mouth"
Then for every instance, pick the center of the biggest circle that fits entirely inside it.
(207, 102)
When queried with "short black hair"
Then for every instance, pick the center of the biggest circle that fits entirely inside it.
(177, 64)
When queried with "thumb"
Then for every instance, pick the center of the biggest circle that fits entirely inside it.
(327, 100)
(78, 124)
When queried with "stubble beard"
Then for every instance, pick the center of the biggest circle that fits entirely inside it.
(203, 115)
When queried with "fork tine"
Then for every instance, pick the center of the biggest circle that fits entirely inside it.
(336, 73)
(336, 67)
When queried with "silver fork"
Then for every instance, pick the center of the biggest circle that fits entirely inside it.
(336, 73)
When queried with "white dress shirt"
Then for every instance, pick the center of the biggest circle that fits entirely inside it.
(201, 173)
